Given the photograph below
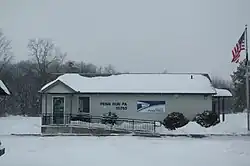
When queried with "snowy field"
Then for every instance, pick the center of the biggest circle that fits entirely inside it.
(125, 150)
(234, 124)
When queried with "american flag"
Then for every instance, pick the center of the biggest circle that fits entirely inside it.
(240, 45)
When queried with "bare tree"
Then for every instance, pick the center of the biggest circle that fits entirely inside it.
(224, 84)
(5, 51)
(221, 83)
(45, 54)
(5, 58)
(26, 89)
(72, 67)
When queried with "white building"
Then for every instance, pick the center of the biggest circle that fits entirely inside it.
(136, 96)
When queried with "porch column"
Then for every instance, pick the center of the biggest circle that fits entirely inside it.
(223, 109)
(44, 108)
(46, 104)
(219, 106)
(213, 105)
(71, 105)
(41, 103)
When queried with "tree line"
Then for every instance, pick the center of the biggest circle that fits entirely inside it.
(46, 60)
(25, 78)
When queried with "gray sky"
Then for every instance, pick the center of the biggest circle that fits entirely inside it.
(133, 35)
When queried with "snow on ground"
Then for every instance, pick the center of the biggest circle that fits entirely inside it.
(234, 124)
(19, 125)
(124, 151)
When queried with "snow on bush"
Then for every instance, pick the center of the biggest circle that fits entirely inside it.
(207, 119)
(109, 118)
(175, 120)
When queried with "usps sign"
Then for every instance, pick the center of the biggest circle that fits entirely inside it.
(151, 106)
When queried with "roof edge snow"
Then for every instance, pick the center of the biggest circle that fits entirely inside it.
(71, 79)
(222, 93)
(52, 84)
(4, 88)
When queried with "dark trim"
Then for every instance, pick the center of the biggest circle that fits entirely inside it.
(132, 93)
(68, 94)
(41, 104)
(3, 93)
(223, 109)
(219, 106)
(130, 73)
(46, 103)
(207, 75)
(222, 97)
(54, 84)
(71, 103)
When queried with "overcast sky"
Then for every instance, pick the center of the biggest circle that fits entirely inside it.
(133, 35)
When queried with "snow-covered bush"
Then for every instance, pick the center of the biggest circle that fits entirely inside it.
(2, 149)
(109, 118)
(82, 118)
(175, 120)
(207, 119)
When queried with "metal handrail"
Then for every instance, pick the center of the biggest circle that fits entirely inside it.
(128, 123)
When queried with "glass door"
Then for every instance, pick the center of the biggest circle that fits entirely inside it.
(58, 110)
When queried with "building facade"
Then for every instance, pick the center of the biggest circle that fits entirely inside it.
(141, 96)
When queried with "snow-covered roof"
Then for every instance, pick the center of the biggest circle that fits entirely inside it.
(4, 88)
(137, 83)
(223, 93)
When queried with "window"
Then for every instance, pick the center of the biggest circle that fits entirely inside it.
(83, 104)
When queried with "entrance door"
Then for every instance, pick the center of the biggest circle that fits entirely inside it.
(58, 110)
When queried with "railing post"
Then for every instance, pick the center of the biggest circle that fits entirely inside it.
(69, 119)
(154, 126)
(42, 118)
(133, 125)
(50, 118)
(223, 109)
(89, 121)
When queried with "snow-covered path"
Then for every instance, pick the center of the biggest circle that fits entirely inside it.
(124, 151)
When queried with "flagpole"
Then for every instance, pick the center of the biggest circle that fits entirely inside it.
(247, 81)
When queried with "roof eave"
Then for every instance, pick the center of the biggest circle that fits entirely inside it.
(42, 91)
(142, 93)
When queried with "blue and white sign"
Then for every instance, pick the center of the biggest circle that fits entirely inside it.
(151, 106)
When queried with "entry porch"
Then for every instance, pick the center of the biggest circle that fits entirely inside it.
(220, 102)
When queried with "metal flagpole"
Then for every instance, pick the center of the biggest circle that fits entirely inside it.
(247, 80)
